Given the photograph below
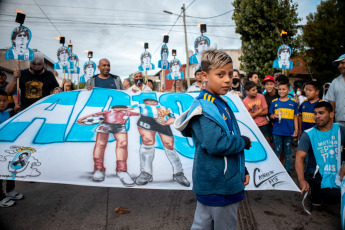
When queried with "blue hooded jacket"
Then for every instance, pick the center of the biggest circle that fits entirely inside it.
(219, 165)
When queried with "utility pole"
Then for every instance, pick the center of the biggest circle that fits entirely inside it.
(185, 40)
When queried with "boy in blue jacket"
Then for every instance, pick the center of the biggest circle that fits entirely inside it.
(219, 168)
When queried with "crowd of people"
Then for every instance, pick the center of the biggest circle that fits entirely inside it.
(282, 114)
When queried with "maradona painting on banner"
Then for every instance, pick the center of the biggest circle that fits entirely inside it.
(114, 138)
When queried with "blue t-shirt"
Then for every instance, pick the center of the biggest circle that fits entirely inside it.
(4, 115)
(287, 109)
(108, 83)
(223, 108)
(306, 110)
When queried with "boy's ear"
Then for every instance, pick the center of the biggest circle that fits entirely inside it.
(204, 76)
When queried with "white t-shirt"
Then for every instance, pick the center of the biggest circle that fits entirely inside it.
(145, 88)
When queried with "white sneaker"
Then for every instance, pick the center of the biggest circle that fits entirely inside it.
(98, 175)
(125, 178)
(6, 202)
(13, 195)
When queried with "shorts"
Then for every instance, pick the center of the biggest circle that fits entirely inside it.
(111, 128)
(149, 123)
(265, 130)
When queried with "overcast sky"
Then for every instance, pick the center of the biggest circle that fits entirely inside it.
(117, 29)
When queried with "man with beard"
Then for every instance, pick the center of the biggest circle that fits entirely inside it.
(197, 86)
(34, 83)
(336, 92)
(104, 79)
(138, 83)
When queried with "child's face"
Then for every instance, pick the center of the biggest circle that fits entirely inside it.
(3, 102)
(218, 81)
(310, 92)
(252, 92)
(255, 78)
(283, 90)
(269, 86)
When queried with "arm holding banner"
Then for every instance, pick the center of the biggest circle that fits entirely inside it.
(12, 86)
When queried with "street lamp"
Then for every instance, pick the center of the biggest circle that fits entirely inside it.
(90, 55)
(183, 9)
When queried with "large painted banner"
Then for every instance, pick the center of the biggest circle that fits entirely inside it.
(116, 138)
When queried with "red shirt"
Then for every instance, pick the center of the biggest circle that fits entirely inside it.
(116, 117)
(253, 104)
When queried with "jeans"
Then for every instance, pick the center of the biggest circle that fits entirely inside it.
(279, 142)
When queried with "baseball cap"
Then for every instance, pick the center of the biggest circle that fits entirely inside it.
(336, 62)
(268, 78)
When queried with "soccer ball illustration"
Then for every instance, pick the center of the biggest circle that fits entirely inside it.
(93, 120)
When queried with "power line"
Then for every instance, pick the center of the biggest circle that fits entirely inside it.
(47, 18)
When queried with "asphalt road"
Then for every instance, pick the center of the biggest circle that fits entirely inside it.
(59, 206)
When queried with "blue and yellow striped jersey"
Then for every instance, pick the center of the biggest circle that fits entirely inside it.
(306, 110)
(288, 109)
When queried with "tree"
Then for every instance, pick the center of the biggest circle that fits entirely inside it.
(324, 38)
(260, 22)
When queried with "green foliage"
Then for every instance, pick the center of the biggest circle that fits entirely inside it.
(260, 22)
(324, 38)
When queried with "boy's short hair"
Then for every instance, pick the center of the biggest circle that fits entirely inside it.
(250, 75)
(197, 71)
(325, 104)
(3, 93)
(287, 83)
(149, 80)
(315, 84)
(249, 85)
(282, 78)
(213, 59)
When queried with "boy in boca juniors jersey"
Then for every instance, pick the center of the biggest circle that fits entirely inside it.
(115, 123)
(306, 109)
(284, 112)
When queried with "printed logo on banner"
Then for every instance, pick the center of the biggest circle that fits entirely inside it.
(20, 39)
(20, 163)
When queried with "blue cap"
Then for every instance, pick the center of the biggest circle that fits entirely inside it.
(336, 62)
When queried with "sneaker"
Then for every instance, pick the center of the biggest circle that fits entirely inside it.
(7, 202)
(13, 195)
(143, 178)
(98, 175)
(125, 178)
(181, 179)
